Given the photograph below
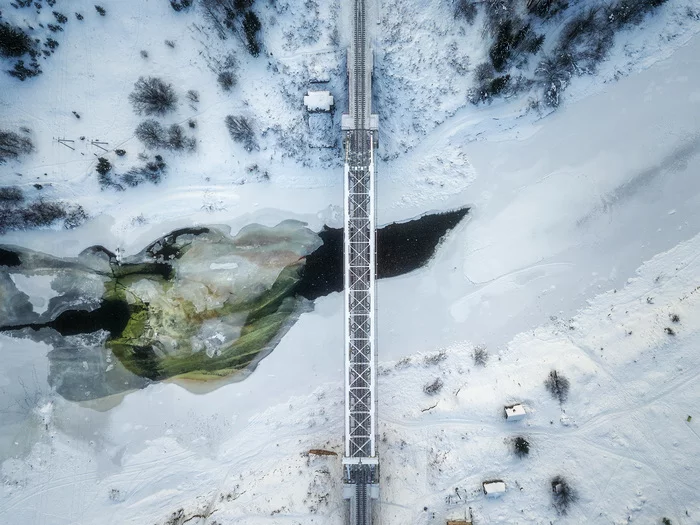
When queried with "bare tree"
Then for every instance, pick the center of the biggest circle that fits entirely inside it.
(557, 385)
(152, 96)
(241, 131)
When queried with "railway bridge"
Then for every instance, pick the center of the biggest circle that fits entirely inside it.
(359, 126)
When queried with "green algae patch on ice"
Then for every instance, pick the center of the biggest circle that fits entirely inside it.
(226, 301)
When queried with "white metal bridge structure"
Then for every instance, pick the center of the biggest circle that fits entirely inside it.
(360, 461)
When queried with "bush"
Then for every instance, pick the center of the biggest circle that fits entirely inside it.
(42, 213)
(13, 216)
(178, 141)
(242, 5)
(79, 16)
(480, 356)
(465, 9)
(13, 41)
(628, 12)
(103, 166)
(151, 133)
(226, 80)
(512, 39)
(75, 217)
(546, 8)
(152, 172)
(154, 136)
(433, 388)
(521, 447)
(557, 385)
(11, 196)
(101, 10)
(489, 88)
(241, 131)
(193, 96)
(23, 72)
(152, 96)
(180, 5)
(563, 495)
(60, 17)
(251, 26)
(13, 145)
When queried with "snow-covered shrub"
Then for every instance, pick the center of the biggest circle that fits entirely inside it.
(75, 217)
(23, 72)
(563, 495)
(226, 80)
(434, 387)
(11, 195)
(14, 42)
(178, 141)
(251, 26)
(13, 145)
(546, 8)
(151, 133)
(152, 96)
(155, 136)
(521, 447)
(465, 9)
(42, 213)
(103, 166)
(557, 385)
(627, 12)
(152, 172)
(180, 5)
(60, 17)
(480, 356)
(241, 131)
(514, 38)
(193, 96)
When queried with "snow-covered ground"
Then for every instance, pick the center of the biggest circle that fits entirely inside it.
(565, 209)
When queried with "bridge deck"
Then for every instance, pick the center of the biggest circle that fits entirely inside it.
(361, 465)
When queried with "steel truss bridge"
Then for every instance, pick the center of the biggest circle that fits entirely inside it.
(360, 461)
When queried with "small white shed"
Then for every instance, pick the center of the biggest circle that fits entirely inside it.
(495, 487)
(515, 412)
(318, 101)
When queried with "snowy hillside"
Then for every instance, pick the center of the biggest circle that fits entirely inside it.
(578, 255)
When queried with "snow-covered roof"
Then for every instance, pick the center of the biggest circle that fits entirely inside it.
(515, 412)
(318, 101)
(494, 487)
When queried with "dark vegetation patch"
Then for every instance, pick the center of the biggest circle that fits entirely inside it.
(557, 385)
(235, 17)
(521, 447)
(14, 42)
(154, 136)
(563, 494)
(13, 145)
(583, 42)
(241, 131)
(180, 5)
(152, 171)
(153, 96)
(434, 387)
(17, 214)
